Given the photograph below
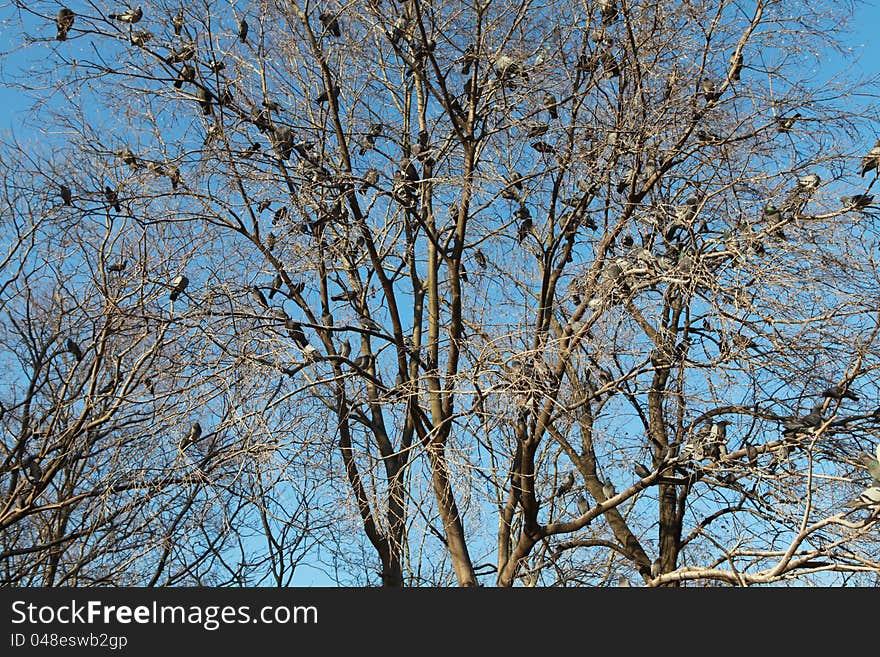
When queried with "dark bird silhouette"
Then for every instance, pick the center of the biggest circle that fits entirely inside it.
(204, 97)
(536, 130)
(194, 434)
(840, 392)
(641, 471)
(550, 105)
(362, 362)
(242, 30)
(118, 266)
(64, 21)
(345, 349)
(330, 23)
(32, 470)
(480, 258)
(809, 421)
(709, 91)
(543, 147)
(276, 285)
(324, 96)
(784, 124)
(399, 29)
(111, 195)
(130, 16)
(857, 201)
(257, 295)
(871, 160)
(187, 74)
(752, 454)
(296, 333)
(141, 37)
(66, 194)
(183, 54)
(74, 349)
(177, 22)
(215, 66)
(178, 285)
(370, 178)
(525, 223)
(566, 485)
(345, 295)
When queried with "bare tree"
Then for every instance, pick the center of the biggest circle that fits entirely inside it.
(569, 294)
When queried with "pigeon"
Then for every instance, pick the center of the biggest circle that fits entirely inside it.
(752, 454)
(840, 392)
(400, 27)
(174, 176)
(641, 471)
(871, 160)
(709, 91)
(345, 349)
(362, 362)
(345, 295)
(112, 197)
(480, 258)
(177, 22)
(187, 74)
(566, 485)
(130, 16)
(64, 21)
(214, 66)
(810, 421)
(194, 434)
(183, 54)
(74, 349)
(536, 130)
(276, 285)
(784, 124)
(655, 567)
(257, 296)
(371, 177)
(324, 96)
(204, 97)
(32, 470)
(543, 147)
(718, 431)
(857, 201)
(140, 37)
(550, 105)
(370, 324)
(178, 285)
(800, 194)
(296, 333)
(118, 266)
(583, 506)
(330, 23)
(872, 465)
(270, 241)
(736, 64)
(869, 497)
(66, 194)
(242, 30)
(608, 490)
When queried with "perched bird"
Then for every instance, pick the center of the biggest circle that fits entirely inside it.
(215, 66)
(345, 349)
(536, 130)
(480, 259)
(66, 194)
(64, 21)
(362, 362)
(857, 201)
(257, 295)
(800, 194)
(194, 434)
(324, 96)
(718, 431)
(204, 97)
(872, 465)
(810, 421)
(187, 74)
(641, 471)
(242, 30)
(608, 490)
(296, 333)
(840, 392)
(345, 295)
(178, 285)
(185, 53)
(130, 16)
(566, 485)
(74, 349)
(371, 324)
(270, 241)
(32, 470)
(583, 506)
(752, 454)
(709, 90)
(871, 160)
(543, 147)
(869, 497)
(784, 124)
(141, 37)
(736, 64)
(276, 285)
(265, 204)
(398, 29)
(177, 22)
(111, 195)
(330, 23)
(118, 266)
(655, 567)
(371, 177)
(550, 105)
